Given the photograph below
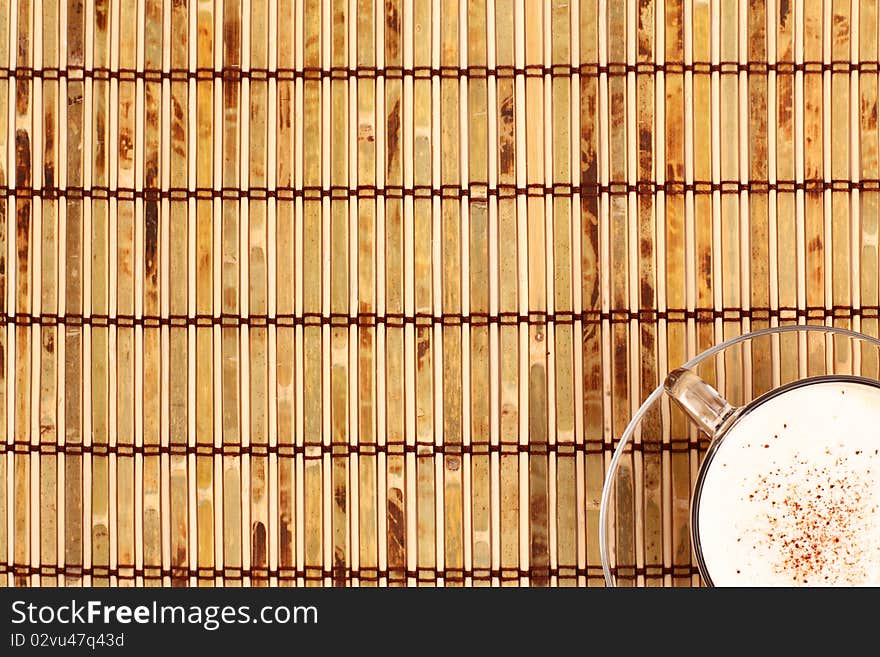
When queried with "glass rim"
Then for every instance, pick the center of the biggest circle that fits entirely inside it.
(651, 399)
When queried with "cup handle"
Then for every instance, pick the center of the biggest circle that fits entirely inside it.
(702, 403)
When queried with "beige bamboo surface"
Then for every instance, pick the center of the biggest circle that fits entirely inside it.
(352, 292)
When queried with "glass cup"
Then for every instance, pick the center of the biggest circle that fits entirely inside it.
(716, 417)
(648, 533)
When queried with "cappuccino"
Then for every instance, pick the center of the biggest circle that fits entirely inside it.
(790, 495)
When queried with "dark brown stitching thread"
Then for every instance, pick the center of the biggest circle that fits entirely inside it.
(236, 74)
(396, 320)
(650, 571)
(475, 191)
(316, 450)
(311, 572)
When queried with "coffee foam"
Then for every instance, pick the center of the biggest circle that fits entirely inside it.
(791, 495)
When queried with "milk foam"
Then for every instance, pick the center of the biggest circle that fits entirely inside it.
(791, 495)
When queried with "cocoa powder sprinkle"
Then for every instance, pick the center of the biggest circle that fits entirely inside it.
(815, 517)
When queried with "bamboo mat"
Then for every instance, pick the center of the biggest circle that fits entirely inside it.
(354, 293)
